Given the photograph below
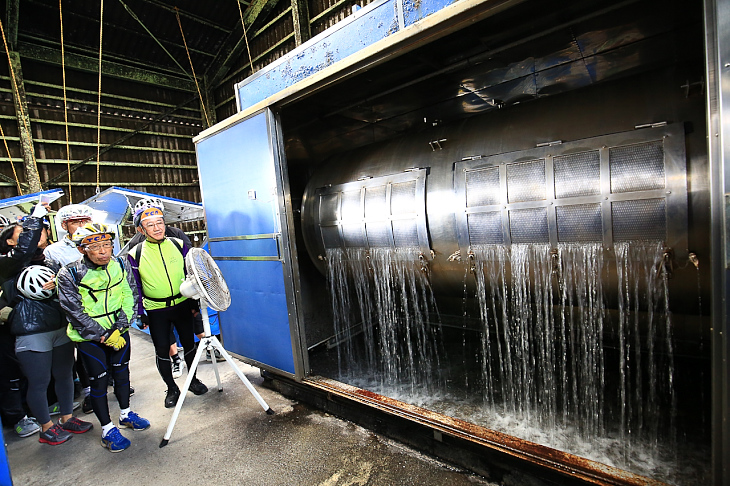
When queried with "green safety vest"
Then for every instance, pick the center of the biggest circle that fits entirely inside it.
(161, 270)
(104, 292)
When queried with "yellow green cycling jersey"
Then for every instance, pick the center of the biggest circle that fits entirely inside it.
(161, 270)
(96, 298)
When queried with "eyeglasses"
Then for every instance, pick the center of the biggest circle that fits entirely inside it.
(99, 246)
(157, 224)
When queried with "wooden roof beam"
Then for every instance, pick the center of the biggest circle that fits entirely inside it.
(235, 44)
(111, 69)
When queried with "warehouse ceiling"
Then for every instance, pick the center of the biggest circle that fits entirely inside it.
(152, 41)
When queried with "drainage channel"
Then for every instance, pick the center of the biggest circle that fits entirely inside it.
(532, 454)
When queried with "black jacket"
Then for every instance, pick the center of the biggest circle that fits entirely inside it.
(31, 316)
(19, 256)
(24, 251)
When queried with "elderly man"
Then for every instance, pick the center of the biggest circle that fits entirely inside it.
(159, 268)
(99, 297)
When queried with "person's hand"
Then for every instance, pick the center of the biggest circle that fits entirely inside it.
(50, 285)
(113, 339)
(40, 210)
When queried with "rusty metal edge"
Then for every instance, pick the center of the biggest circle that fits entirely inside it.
(553, 459)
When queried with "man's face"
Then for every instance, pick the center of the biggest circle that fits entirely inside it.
(154, 228)
(72, 225)
(99, 253)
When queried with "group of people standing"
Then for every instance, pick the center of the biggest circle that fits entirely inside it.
(76, 298)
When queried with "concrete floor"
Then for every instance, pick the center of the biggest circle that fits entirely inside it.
(226, 438)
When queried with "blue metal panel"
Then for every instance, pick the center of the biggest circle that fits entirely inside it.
(239, 187)
(256, 325)
(5, 479)
(415, 10)
(369, 25)
(259, 247)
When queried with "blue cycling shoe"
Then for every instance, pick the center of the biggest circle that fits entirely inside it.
(115, 441)
(134, 422)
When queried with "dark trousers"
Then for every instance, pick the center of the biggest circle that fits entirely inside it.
(99, 359)
(39, 367)
(11, 380)
(161, 324)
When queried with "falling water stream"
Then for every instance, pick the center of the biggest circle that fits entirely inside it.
(546, 371)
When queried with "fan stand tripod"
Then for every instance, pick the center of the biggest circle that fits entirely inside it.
(211, 344)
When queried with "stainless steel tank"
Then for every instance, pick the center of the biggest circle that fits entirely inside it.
(548, 175)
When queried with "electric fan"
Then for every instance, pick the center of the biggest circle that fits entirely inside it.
(205, 282)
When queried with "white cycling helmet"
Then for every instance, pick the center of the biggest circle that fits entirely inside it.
(145, 204)
(91, 233)
(148, 202)
(4, 221)
(74, 211)
(31, 280)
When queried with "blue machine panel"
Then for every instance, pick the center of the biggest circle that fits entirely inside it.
(371, 24)
(239, 186)
(415, 10)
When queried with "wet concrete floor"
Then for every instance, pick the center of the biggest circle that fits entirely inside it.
(226, 439)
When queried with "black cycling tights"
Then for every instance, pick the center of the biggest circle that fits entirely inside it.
(98, 359)
(161, 322)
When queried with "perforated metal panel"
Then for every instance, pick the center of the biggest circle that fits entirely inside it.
(351, 208)
(405, 234)
(403, 198)
(486, 228)
(637, 167)
(379, 234)
(380, 212)
(578, 174)
(328, 207)
(353, 235)
(580, 223)
(639, 220)
(331, 236)
(526, 181)
(621, 187)
(375, 204)
(482, 187)
(529, 225)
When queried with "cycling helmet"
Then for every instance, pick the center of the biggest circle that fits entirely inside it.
(147, 207)
(92, 233)
(31, 280)
(74, 211)
(148, 202)
(4, 221)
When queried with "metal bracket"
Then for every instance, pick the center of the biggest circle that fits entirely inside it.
(436, 144)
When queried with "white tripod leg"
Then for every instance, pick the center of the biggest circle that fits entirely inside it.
(208, 347)
(183, 392)
(212, 343)
(217, 345)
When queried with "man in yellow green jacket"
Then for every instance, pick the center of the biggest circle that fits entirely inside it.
(158, 265)
(99, 297)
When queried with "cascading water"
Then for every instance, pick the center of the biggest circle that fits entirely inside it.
(393, 301)
(555, 366)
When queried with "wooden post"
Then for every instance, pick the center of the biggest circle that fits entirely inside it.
(24, 130)
(300, 16)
